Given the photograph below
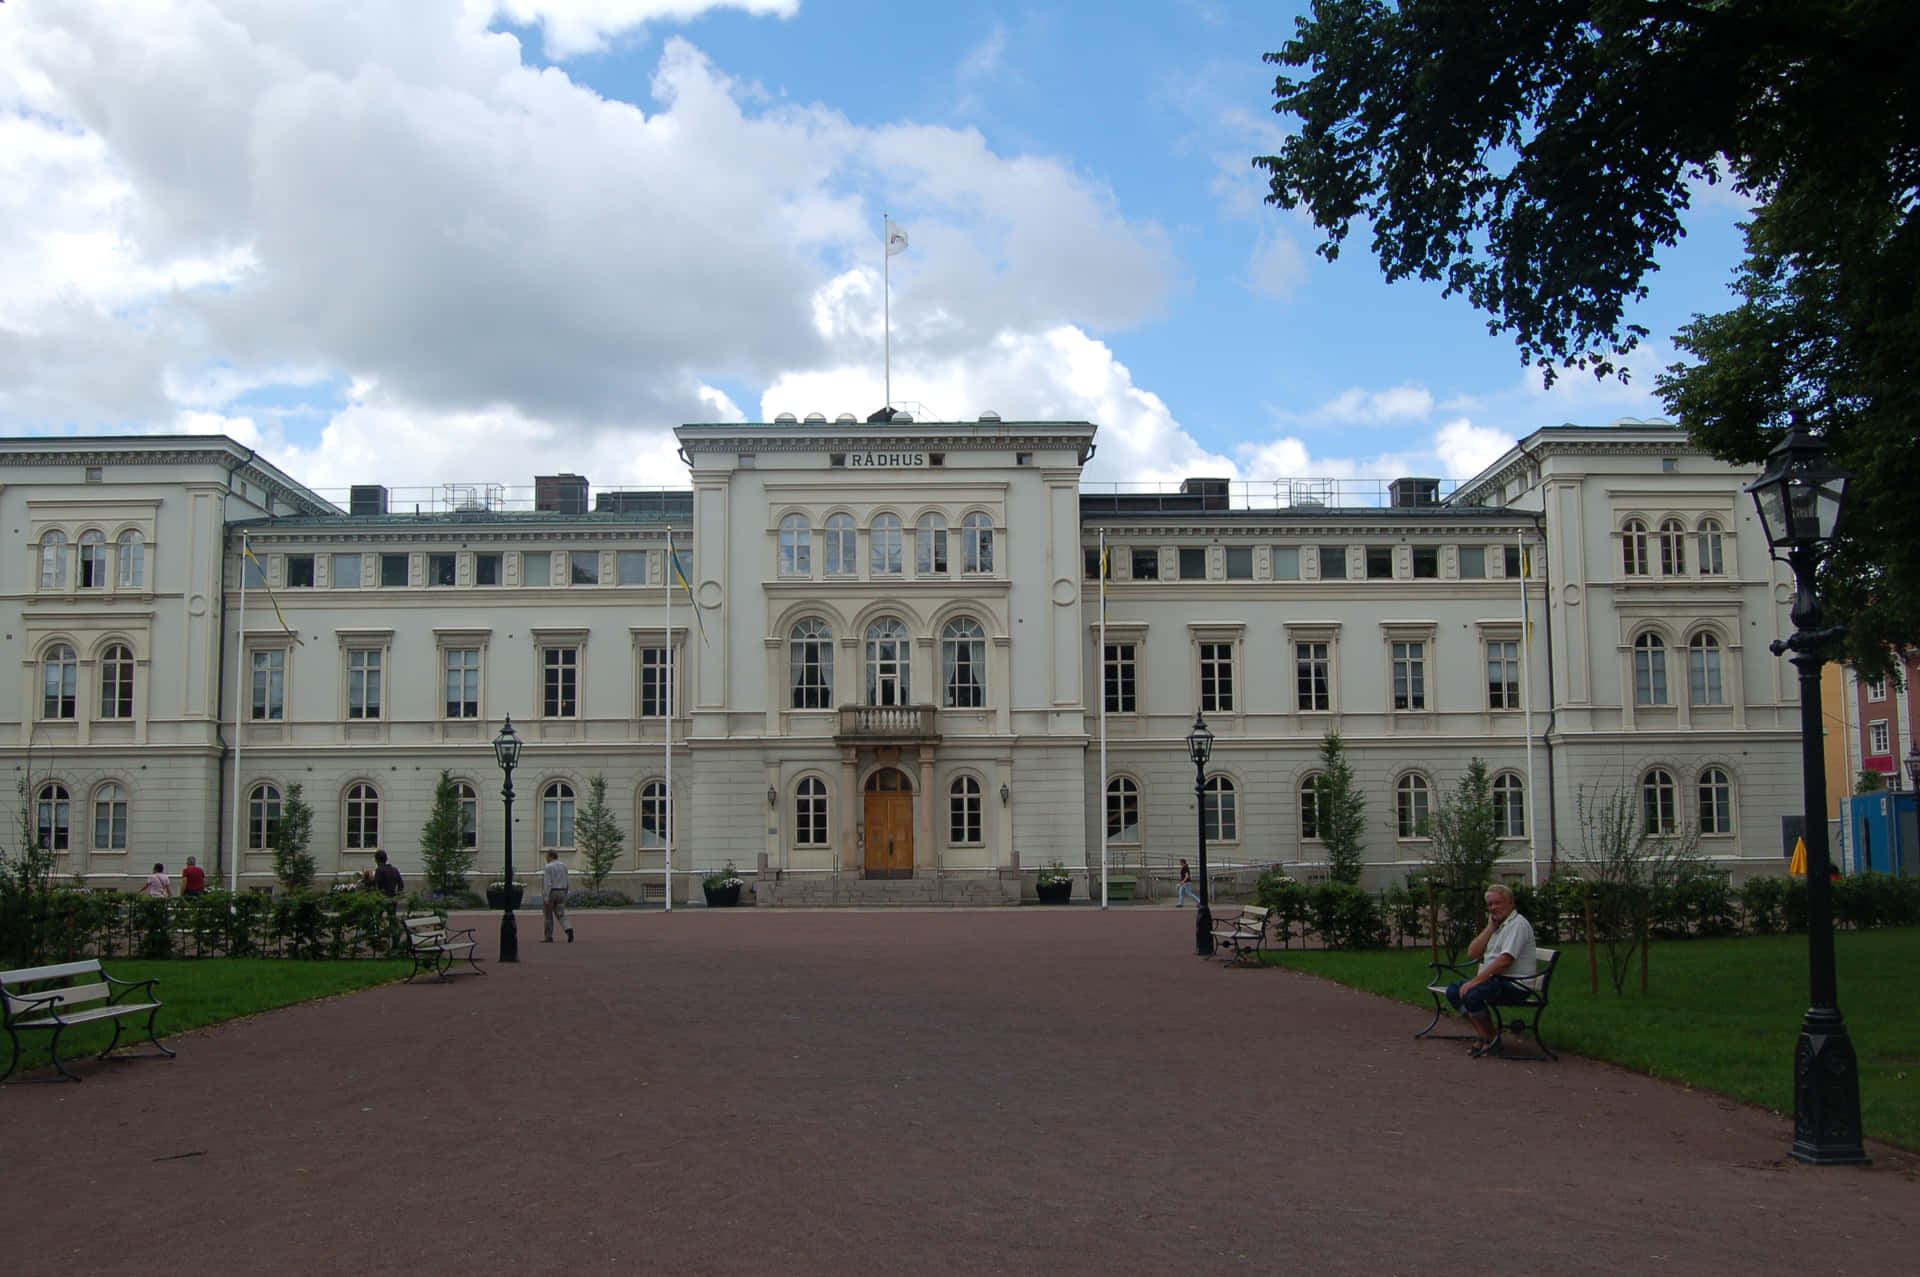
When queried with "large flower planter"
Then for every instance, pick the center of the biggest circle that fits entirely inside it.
(722, 897)
(497, 896)
(1054, 893)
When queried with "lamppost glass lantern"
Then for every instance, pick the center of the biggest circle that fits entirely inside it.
(1199, 742)
(506, 752)
(506, 747)
(1800, 494)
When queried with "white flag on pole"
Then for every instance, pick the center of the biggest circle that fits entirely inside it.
(896, 238)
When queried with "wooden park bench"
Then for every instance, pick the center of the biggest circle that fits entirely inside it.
(1243, 936)
(1516, 1018)
(433, 947)
(52, 999)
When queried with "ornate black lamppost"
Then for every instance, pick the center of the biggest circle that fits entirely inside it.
(506, 751)
(1200, 748)
(1799, 498)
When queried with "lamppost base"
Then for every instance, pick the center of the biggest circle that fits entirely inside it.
(1826, 1093)
(1203, 932)
(509, 938)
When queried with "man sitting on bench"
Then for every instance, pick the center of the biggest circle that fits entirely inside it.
(1505, 949)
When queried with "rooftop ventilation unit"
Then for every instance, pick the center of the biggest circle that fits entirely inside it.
(847, 418)
(1212, 492)
(989, 415)
(785, 419)
(903, 416)
(1412, 492)
(560, 493)
(814, 417)
(367, 498)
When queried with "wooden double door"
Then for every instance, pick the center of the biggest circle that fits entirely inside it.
(889, 824)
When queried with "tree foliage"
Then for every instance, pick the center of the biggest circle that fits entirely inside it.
(1534, 158)
(597, 834)
(1340, 811)
(292, 863)
(1623, 861)
(1465, 845)
(444, 854)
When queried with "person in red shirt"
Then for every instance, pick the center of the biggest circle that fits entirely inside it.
(193, 879)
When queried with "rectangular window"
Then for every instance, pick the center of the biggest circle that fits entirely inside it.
(1090, 563)
(254, 570)
(346, 571)
(393, 570)
(269, 686)
(1216, 677)
(1239, 563)
(1410, 676)
(536, 569)
(1333, 562)
(560, 681)
(463, 682)
(1312, 685)
(1511, 553)
(1193, 563)
(632, 567)
(1286, 563)
(1426, 562)
(363, 683)
(584, 567)
(299, 571)
(810, 815)
(1121, 679)
(1876, 690)
(1473, 562)
(655, 675)
(1146, 565)
(964, 822)
(1879, 740)
(1503, 675)
(486, 569)
(1379, 562)
(441, 569)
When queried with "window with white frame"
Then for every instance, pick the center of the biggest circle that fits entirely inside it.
(1216, 677)
(131, 553)
(1120, 678)
(560, 682)
(1879, 737)
(59, 681)
(1649, 670)
(1412, 805)
(1503, 674)
(269, 686)
(556, 817)
(1659, 803)
(889, 663)
(1509, 806)
(1876, 690)
(363, 817)
(629, 567)
(583, 567)
(1708, 548)
(1409, 676)
(1716, 802)
(976, 544)
(1313, 679)
(116, 681)
(1633, 548)
(810, 813)
(1673, 547)
(656, 815)
(53, 816)
(53, 560)
(1703, 671)
(263, 816)
(1310, 807)
(345, 572)
(461, 667)
(364, 669)
(1220, 810)
(963, 664)
(841, 547)
(930, 545)
(109, 818)
(656, 682)
(1123, 811)
(469, 799)
(810, 664)
(796, 546)
(964, 818)
(886, 546)
(93, 560)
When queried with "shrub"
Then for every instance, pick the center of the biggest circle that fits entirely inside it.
(1406, 911)
(592, 898)
(1763, 901)
(1340, 811)
(1286, 898)
(730, 877)
(1346, 917)
(444, 854)
(597, 834)
(291, 836)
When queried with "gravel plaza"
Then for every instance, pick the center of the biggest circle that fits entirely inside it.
(1014, 1090)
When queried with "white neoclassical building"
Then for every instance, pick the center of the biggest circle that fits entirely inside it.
(889, 651)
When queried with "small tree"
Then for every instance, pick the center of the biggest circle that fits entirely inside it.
(1340, 811)
(443, 847)
(1624, 861)
(291, 836)
(26, 886)
(1465, 846)
(597, 835)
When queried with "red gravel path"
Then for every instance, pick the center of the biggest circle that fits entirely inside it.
(1002, 1091)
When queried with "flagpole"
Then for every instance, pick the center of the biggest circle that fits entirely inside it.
(666, 872)
(886, 290)
(1526, 701)
(1101, 684)
(240, 693)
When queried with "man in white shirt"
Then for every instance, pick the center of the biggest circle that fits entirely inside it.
(1506, 952)
(553, 896)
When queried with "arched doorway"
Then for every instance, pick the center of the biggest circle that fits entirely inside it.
(889, 824)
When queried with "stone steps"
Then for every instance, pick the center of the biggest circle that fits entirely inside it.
(885, 893)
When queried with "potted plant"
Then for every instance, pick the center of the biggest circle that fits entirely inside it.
(722, 887)
(1053, 884)
(498, 892)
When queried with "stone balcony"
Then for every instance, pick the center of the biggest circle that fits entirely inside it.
(887, 725)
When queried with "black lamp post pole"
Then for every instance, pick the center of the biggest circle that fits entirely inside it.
(509, 928)
(1203, 917)
(1826, 1077)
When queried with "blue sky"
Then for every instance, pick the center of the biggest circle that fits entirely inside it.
(469, 240)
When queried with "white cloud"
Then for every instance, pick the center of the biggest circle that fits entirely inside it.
(569, 28)
(1465, 449)
(1278, 267)
(1358, 406)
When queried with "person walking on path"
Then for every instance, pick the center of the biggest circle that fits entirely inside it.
(1186, 888)
(193, 879)
(1506, 952)
(386, 877)
(553, 899)
(158, 885)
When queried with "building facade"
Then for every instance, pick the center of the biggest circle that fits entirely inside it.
(886, 650)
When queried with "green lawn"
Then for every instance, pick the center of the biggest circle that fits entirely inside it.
(1723, 1015)
(206, 991)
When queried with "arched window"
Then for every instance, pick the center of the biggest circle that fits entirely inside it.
(52, 817)
(1649, 670)
(93, 560)
(1709, 550)
(133, 561)
(1220, 810)
(976, 544)
(963, 664)
(887, 542)
(109, 818)
(1123, 810)
(60, 674)
(810, 813)
(1658, 805)
(1673, 547)
(963, 811)
(116, 681)
(1703, 671)
(1633, 547)
(263, 817)
(53, 560)
(796, 546)
(1716, 802)
(1509, 806)
(1310, 808)
(889, 663)
(842, 557)
(1412, 801)
(469, 799)
(930, 545)
(363, 817)
(556, 817)
(656, 815)
(810, 664)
